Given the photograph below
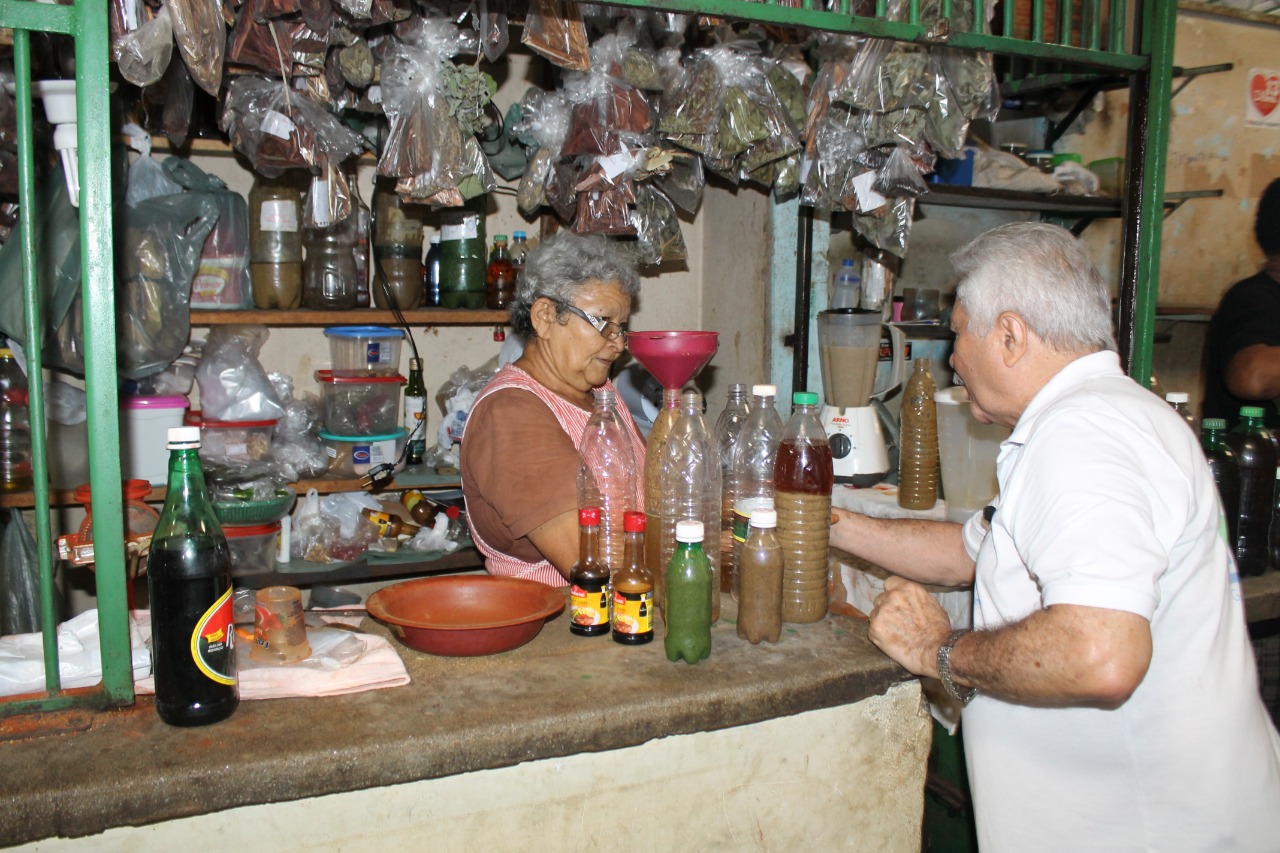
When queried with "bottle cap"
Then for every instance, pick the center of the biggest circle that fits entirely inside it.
(847, 262)
(454, 512)
(184, 437)
(764, 518)
(764, 390)
(499, 238)
(1176, 397)
(435, 239)
(1251, 412)
(688, 531)
(1215, 423)
(519, 235)
(589, 516)
(804, 398)
(633, 522)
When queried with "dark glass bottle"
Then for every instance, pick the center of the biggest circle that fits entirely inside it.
(193, 654)
(1256, 456)
(431, 274)
(633, 587)
(1225, 470)
(415, 413)
(589, 580)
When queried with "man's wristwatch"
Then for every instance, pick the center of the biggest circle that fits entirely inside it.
(944, 670)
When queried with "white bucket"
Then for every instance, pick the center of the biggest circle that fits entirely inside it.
(144, 435)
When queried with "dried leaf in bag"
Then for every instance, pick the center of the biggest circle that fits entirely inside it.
(605, 211)
(143, 55)
(278, 129)
(531, 194)
(588, 133)
(658, 236)
(693, 106)
(788, 91)
(180, 93)
(640, 69)
(555, 30)
(684, 182)
(201, 35)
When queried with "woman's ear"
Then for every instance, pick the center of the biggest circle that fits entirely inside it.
(543, 315)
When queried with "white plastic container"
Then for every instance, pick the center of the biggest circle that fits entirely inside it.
(144, 431)
(353, 456)
(364, 350)
(967, 453)
(233, 441)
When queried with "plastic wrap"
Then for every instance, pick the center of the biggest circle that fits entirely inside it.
(146, 177)
(278, 129)
(899, 177)
(296, 449)
(605, 211)
(233, 385)
(888, 227)
(201, 34)
(657, 227)
(143, 54)
(555, 30)
(491, 17)
(684, 182)
(258, 41)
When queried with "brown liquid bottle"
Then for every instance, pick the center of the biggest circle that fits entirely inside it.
(803, 477)
(589, 580)
(389, 525)
(760, 581)
(918, 468)
(633, 587)
(421, 508)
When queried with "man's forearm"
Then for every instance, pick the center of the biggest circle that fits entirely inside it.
(929, 552)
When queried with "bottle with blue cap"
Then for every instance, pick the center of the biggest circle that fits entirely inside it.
(846, 286)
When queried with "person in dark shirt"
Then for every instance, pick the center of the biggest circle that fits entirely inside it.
(1242, 353)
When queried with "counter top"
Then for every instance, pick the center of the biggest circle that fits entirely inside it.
(556, 696)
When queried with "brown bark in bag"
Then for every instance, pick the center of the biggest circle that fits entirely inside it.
(201, 35)
(252, 46)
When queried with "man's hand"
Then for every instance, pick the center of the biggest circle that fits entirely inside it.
(909, 626)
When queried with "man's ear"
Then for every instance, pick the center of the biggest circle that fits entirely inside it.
(1015, 337)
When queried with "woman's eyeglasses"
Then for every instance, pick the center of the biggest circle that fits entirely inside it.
(608, 329)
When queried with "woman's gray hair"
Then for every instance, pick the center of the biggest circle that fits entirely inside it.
(1041, 273)
(561, 265)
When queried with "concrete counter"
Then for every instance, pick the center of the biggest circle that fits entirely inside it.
(557, 696)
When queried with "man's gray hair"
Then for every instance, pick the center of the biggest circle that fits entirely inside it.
(561, 265)
(1039, 272)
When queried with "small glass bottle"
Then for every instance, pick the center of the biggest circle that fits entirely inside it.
(589, 580)
(1256, 456)
(189, 580)
(397, 247)
(760, 586)
(918, 462)
(633, 588)
(688, 608)
(1225, 470)
(275, 243)
(422, 509)
(1178, 400)
(728, 427)
(431, 274)
(415, 414)
(500, 277)
(329, 272)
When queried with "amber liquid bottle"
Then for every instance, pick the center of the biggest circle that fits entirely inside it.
(633, 587)
(803, 477)
(589, 580)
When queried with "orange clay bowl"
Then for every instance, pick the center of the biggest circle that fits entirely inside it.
(465, 615)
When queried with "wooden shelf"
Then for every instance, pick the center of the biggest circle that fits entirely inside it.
(954, 195)
(356, 316)
(363, 570)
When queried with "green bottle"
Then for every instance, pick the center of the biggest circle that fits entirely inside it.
(688, 608)
(463, 264)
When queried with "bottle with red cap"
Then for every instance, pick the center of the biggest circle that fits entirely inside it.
(633, 587)
(589, 580)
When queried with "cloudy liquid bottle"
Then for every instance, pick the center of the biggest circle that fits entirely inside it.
(803, 477)
(753, 461)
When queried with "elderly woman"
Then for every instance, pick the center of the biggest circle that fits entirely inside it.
(520, 444)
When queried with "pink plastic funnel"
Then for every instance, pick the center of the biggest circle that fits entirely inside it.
(673, 357)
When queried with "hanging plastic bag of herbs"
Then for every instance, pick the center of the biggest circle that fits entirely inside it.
(899, 177)
(143, 53)
(278, 129)
(657, 226)
(555, 30)
(839, 145)
(605, 211)
(887, 227)
(781, 139)
(260, 43)
(435, 108)
(692, 106)
(544, 122)
(684, 182)
(201, 34)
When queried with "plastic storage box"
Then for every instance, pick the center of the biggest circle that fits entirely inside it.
(253, 548)
(144, 432)
(360, 405)
(236, 441)
(364, 350)
(353, 456)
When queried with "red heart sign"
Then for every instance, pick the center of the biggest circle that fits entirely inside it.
(1264, 91)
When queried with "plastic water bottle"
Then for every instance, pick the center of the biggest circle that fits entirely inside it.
(519, 251)
(607, 475)
(1256, 455)
(690, 486)
(728, 428)
(1178, 400)
(1225, 470)
(753, 461)
(803, 477)
(688, 577)
(846, 286)
(15, 425)
(918, 465)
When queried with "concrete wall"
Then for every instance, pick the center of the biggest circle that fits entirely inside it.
(848, 778)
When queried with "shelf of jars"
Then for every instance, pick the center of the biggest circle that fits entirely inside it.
(356, 316)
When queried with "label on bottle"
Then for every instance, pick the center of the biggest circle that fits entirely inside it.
(413, 414)
(278, 215)
(213, 642)
(742, 515)
(633, 612)
(466, 229)
(589, 604)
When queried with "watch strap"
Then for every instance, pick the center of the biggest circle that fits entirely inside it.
(944, 670)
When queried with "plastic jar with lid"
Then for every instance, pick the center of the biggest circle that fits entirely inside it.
(329, 275)
(139, 518)
(463, 265)
(275, 243)
(397, 247)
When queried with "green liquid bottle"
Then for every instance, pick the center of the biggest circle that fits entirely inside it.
(688, 607)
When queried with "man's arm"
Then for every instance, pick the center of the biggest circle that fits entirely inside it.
(1253, 373)
(1062, 656)
(929, 552)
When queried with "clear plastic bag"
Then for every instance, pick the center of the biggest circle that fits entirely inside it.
(555, 30)
(491, 17)
(684, 182)
(657, 227)
(146, 178)
(888, 227)
(899, 177)
(201, 34)
(143, 54)
(278, 129)
(233, 385)
(543, 125)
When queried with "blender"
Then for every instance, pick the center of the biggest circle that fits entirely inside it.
(849, 350)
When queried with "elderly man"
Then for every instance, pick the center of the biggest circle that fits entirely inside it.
(1114, 700)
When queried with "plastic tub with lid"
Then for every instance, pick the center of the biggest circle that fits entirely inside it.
(353, 456)
(144, 429)
(360, 405)
(364, 350)
(233, 441)
(253, 547)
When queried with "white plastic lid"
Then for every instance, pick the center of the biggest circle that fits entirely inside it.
(764, 390)
(1176, 397)
(688, 531)
(184, 437)
(764, 518)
